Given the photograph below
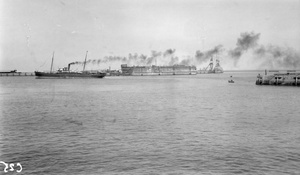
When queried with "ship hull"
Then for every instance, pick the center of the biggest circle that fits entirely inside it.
(215, 72)
(158, 70)
(68, 75)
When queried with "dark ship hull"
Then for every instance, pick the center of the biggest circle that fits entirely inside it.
(215, 71)
(69, 74)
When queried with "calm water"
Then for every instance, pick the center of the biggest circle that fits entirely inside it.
(150, 125)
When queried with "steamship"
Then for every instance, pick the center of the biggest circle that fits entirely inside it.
(158, 70)
(67, 73)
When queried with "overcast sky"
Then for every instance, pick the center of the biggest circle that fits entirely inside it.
(32, 29)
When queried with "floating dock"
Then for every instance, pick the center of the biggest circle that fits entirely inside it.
(158, 70)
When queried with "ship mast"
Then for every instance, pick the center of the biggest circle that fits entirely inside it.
(211, 64)
(85, 60)
(52, 62)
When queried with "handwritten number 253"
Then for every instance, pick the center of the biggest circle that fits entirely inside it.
(11, 166)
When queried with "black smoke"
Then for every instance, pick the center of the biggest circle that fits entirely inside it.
(167, 57)
(276, 57)
(169, 52)
(244, 43)
(137, 59)
(271, 56)
(153, 58)
(202, 57)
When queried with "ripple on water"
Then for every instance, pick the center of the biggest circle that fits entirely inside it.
(150, 125)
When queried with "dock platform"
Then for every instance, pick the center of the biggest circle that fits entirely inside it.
(17, 74)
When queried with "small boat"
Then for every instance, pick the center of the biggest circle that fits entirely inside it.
(67, 73)
(231, 80)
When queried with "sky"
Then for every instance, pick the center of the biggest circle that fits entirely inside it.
(242, 34)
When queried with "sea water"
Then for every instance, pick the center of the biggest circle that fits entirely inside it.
(193, 124)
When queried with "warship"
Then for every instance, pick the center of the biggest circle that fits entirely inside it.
(210, 69)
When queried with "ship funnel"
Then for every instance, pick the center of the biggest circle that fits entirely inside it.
(70, 65)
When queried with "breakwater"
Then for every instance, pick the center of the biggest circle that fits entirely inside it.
(290, 78)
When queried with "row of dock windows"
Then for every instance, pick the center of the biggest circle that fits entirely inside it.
(167, 69)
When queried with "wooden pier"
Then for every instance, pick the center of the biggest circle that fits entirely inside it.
(17, 74)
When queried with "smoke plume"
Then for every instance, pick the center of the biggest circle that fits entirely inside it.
(248, 53)
(245, 42)
(276, 57)
(205, 56)
(169, 52)
(267, 57)
(157, 57)
(166, 57)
